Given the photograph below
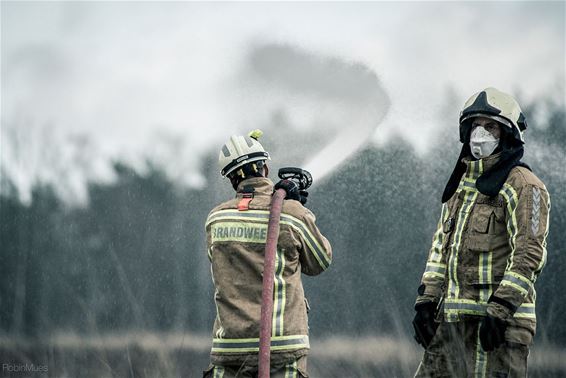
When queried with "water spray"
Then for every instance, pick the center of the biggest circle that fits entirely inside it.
(357, 103)
(345, 101)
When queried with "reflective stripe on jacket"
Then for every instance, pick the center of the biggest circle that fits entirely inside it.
(236, 242)
(490, 246)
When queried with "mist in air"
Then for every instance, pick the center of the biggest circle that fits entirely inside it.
(112, 117)
(345, 100)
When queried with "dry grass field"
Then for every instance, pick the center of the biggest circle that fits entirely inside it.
(185, 355)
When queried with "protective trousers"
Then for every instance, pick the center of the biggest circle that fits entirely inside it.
(295, 369)
(455, 351)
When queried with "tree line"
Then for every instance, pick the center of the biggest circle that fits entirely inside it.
(134, 257)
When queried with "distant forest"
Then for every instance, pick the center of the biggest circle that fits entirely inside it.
(134, 257)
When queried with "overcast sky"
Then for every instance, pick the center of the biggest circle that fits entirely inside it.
(119, 77)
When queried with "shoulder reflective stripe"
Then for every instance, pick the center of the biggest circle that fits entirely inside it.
(510, 195)
(453, 287)
(252, 345)
(480, 368)
(259, 215)
(470, 307)
(318, 252)
(279, 295)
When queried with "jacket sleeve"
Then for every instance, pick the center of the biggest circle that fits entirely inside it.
(433, 277)
(527, 217)
(315, 253)
(208, 238)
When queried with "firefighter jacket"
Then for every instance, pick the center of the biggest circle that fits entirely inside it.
(487, 252)
(236, 236)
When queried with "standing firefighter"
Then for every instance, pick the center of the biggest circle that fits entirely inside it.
(236, 237)
(476, 304)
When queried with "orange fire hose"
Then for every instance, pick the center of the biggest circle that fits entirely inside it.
(268, 278)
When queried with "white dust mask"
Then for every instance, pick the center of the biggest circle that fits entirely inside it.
(482, 142)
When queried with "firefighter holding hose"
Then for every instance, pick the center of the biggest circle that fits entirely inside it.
(476, 302)
(236, 238)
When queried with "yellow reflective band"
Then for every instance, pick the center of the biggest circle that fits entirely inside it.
(279, 295)
(435, 270)
(463, 213)
(475, 169)
(484, 273)
(436, 265)
(218, 372)
(468, 185)
(522, 279)
(220, 331)
(455, 307)
(232, 214)
(438, 239)
(514, 286)
(433, 274)
(291, 370)
(316, 249)
(480, 370)
(291, 342)
(256, 339)
(244, 232)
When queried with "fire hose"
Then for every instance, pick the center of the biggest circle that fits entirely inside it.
(303, 180)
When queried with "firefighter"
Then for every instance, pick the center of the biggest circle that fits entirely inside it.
(475, 309)
(236, 235)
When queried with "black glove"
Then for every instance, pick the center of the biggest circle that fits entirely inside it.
(424, 324)
(291, 188)
(304, 194)
(492, 332)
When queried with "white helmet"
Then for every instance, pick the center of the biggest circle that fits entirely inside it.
(494, 104)
(241, 150)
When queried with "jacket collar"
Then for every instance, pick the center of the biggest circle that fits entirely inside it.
(475, 168)
(261, 185)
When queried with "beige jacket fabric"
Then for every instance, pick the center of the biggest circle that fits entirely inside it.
(490, 246)
(236, 242)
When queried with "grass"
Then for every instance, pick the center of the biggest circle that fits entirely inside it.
(143, 354)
